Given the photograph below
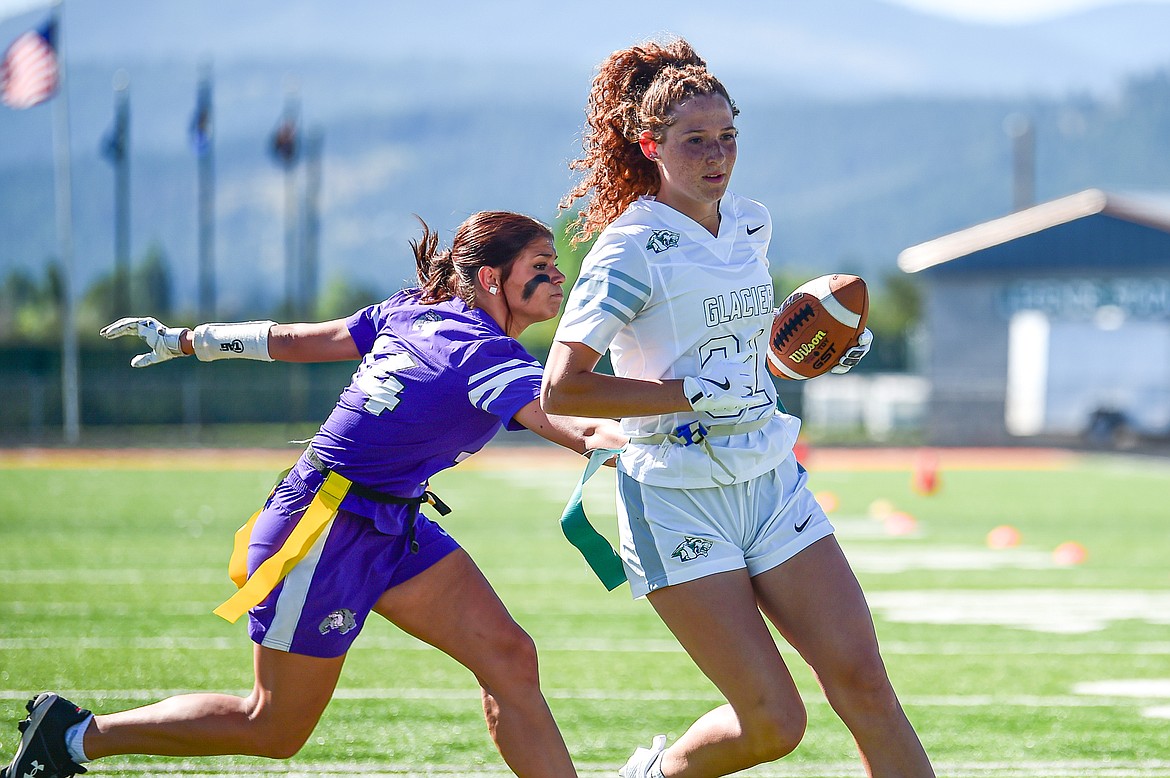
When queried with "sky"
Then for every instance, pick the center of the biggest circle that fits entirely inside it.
(993, 11)
(1007, 11)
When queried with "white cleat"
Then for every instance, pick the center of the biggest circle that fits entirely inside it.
(645, 760)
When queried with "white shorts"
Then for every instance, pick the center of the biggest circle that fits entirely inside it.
(669, 536)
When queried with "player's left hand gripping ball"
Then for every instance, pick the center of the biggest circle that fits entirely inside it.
(163, 341)
(853, 355)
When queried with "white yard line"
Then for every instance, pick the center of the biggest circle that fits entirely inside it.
(588, 645)
(618, 695)
(794, 769)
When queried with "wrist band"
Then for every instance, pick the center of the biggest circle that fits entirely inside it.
(234, 340)
(692, 391)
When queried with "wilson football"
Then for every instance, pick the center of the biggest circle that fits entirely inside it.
(816, 324)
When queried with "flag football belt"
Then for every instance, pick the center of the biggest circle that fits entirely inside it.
(326, 502)
(697, 434)
(598, 553)
(373, 495)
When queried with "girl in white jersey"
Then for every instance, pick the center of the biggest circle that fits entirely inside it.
(718, 528)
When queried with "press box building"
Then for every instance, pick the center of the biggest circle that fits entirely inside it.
(1051, 323)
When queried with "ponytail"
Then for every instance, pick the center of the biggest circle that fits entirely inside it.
(437, 277)
(485, 239)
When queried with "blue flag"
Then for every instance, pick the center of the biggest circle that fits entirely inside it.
(202, 128)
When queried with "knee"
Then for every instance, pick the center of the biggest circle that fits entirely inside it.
(280, 747)
(774, 731)
(275, 737)
(864, 686)
(513, 664)
(275, 743)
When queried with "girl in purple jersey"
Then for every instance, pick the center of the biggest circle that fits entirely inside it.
(342, 536)
(719, 551)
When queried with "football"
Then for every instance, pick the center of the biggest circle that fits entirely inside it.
(816, 325)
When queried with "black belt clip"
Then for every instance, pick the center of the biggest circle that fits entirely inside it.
(432, 499)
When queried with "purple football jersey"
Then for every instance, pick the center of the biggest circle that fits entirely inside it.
(434, 386)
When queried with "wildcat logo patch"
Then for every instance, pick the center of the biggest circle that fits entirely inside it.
(341, 620)
(427, 322)
(661, 240)
(691, 548)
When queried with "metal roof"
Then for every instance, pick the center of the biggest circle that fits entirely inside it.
(1122, 211)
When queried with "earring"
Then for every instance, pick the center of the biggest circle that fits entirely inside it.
(493, 289)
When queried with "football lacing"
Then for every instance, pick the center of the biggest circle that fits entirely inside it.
(791, 325)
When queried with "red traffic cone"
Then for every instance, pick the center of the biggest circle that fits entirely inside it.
(924, 479)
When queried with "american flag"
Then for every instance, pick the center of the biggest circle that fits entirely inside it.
(28, 73)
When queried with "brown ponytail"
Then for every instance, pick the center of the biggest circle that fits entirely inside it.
(487, 238)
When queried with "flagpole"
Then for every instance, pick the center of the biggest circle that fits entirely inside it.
(311, 249)
(121, 161)
(204, 140)
(292, 267)
(285, 146)
(62, 155)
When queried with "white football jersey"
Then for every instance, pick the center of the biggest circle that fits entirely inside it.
(663, 296)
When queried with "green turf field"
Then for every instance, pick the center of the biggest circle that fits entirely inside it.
(1008, 663)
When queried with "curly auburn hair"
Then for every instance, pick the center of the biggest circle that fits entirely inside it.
(635, 89)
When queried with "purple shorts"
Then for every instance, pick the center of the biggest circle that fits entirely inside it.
(322, 604)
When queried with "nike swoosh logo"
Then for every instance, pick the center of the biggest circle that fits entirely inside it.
(754, 230)
(800, 527)
(724, 386)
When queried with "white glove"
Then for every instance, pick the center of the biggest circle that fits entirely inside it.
(853, 355)
(723, 386)
(162, 340)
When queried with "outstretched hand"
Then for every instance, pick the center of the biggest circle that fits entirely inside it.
(163, 341)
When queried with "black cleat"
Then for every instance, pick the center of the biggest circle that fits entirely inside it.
(42, 752)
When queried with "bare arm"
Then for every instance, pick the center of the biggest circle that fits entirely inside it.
(571, 387)
(327, 341)
(573, 433)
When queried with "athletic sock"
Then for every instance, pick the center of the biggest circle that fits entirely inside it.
(75, 740)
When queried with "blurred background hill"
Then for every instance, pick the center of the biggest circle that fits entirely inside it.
(866, 126)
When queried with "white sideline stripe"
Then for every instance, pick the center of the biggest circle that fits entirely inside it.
(217, 575)
(584, 645)
(797, 769)
(1149, 688)
(613, 695)
(125, 575)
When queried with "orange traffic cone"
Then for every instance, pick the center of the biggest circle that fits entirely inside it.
(924, 480)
